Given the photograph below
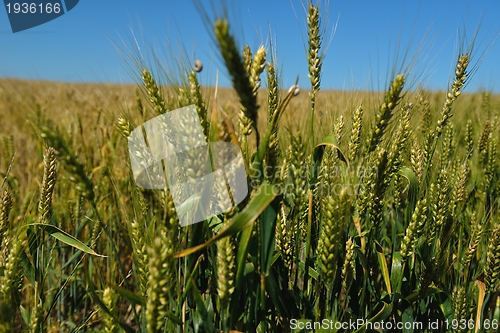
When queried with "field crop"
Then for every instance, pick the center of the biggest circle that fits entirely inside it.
(373, 206)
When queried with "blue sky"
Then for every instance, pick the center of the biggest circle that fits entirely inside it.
(370, 37)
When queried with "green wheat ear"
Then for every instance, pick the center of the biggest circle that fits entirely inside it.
(198, 102)
(456, 90)
(459, 81)
(225, 270)
(334, 210)
(370, 202)
(469, 139)
(423, 106)
(474, 241)
(247, 58)
(415, 229)
(348, 268)
(314, 61)
(254, 70)
(137, 235)
(492, 266)
(154, 92)
(109, 299)
(490, 163)
(5, 226)
(258, 65)
(314, 56)
(417, 159)
(36, 324)
(124, 126)
(238, 73)
(69, 160)
(10, 285)
(357, 126)
(483, 141)
(395, 159)
(272, 152)
(285, 237)
(391, 100)
(460, 305)
(162, 280)
(48, 183)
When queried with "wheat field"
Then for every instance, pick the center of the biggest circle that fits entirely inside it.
(374, 208)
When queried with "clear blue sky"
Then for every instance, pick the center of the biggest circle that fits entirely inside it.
(78, 46)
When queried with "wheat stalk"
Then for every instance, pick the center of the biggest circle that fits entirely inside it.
(48, 183)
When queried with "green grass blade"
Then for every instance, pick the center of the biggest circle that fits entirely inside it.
(265, 195)
(241, 255)
(206, 323)
(130, 296)
(65, 238)
(384, 269)
(383, 314)
(319, 150)
(396, 273)
(267, 233)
